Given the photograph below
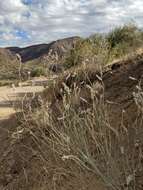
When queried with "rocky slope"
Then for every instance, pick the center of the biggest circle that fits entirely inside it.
(34, 56)
(60, 47)
(8, 64)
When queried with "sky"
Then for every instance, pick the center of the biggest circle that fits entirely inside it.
(27, 22)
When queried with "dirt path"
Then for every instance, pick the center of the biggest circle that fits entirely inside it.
(8, 95)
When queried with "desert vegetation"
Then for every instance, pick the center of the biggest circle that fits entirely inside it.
(85, 130)
(86, 139)
(104, 48)
(99, 49)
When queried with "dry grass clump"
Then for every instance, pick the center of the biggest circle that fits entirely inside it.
(85, 137)
(77, 77)
(72, 135)
(9, 66)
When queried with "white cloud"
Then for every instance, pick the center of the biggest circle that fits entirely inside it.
(45, 20)
(11, 6)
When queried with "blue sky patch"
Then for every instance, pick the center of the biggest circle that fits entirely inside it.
(27, 2)
(21, 34)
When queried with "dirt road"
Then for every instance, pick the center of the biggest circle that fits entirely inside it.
(8, 95)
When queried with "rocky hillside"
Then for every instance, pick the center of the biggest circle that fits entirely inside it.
(8, 64)
(60, 47)
(6, 54)
(34, 56)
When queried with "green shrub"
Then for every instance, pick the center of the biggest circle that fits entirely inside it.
(91, 50)
(37, 72)
(127, 34)
(79, 53)
(103, 49)
(124, 39)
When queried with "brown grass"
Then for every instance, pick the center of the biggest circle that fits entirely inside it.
(86, 134)
(87, 140)
(97, 143)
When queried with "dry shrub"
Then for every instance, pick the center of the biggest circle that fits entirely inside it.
(86, 138)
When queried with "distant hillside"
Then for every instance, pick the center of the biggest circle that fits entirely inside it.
(6, 54)
(8, 64)
(68, 53)
(60, 47)
(34, 56)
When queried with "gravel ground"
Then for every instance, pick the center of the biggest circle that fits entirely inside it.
(8, 94)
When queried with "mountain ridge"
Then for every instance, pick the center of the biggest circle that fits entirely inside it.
(32, 52)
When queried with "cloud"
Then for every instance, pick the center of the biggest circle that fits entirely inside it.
(24, 22)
